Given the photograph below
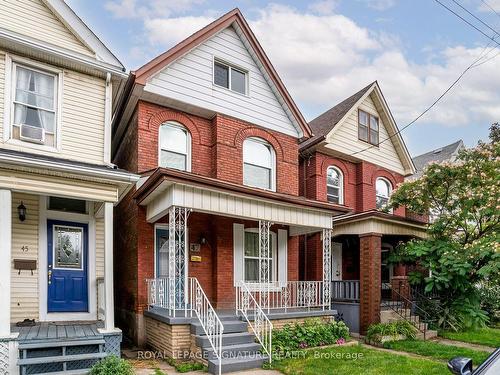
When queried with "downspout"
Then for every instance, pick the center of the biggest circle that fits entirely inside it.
(304, 171)
(107, 119)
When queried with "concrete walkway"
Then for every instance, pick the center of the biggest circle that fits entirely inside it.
(462, 344)
(169, 370)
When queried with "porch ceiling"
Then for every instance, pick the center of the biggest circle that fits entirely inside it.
(163, 193)
(377, 222)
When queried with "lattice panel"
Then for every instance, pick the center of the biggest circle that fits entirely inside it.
(4, 358)
(112, 344)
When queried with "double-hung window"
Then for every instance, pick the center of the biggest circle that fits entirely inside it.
(383, 192)
(175, 146)
(368, 127)
(258, 164)
(34, 105)
(334, 185)
(229, 77)
(251, 256)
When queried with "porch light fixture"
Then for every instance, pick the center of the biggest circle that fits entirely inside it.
(21, 211)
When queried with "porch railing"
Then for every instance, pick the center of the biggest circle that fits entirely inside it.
(345, 290)
(196, 304)
(290, 295)
(249, 308)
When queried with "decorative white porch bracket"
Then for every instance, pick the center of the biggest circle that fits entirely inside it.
(327, 267)
(264, 266)
(177, 258)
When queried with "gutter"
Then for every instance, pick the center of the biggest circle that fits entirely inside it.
(89, 171)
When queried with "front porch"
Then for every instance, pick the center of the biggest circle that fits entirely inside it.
(56, 263)
(225, 262)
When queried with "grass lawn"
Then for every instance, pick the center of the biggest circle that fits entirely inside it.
(357, 360)
(436, 350)
(485, 336)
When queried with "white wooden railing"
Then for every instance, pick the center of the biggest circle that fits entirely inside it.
(195, 304)
(345, 290)
(249, 308)
(290, 295)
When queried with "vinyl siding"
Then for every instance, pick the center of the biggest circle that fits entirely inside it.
(190, 80)
(345, 140)
(33, 19)
(24, 286)
(82, 117)
(2, 92)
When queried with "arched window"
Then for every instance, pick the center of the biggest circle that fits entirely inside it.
(259, 164)
(383, 191)
(334, 185)
(174, 146)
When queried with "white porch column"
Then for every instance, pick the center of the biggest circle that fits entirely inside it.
(5, 260)
(109, 314)
(264, 264)
(327, 267)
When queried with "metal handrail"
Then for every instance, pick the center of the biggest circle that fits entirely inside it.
(404, 307)
(210, 322)
(431, 299)
(196, 302)
(262, 326)
(285, 295)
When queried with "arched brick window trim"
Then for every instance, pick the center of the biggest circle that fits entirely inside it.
(387, 175)
(327, 162)
(258, 133)
(160, 118)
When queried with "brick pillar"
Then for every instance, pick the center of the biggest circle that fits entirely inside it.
(370, 281)
(400, 270)
(400, 285)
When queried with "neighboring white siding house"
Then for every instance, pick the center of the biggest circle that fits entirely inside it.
(344, 138)
(190, 79)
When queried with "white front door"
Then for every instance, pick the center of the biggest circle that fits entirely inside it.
(336, 261)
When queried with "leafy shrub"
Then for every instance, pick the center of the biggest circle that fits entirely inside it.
(112, 365)
(404, 328)
(313, 332)
(490, 301)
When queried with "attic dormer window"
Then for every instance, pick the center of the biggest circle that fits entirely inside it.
(230, 77)
(368, 128)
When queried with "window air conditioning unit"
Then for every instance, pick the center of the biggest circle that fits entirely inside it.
(32, 134)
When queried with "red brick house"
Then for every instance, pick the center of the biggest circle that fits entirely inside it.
(212, 229)
(356, 158)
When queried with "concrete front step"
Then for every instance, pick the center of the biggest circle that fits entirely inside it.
(236, 364)
(227, 339)
(230, 326)
(233, 351)
(429, 334)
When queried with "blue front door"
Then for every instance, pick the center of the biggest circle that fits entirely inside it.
(67, 245)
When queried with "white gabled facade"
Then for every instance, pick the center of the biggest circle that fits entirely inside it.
(57, 87)
(190, 80)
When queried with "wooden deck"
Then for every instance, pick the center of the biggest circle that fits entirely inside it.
(58, 331)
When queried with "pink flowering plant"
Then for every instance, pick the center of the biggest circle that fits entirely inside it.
(461, 255)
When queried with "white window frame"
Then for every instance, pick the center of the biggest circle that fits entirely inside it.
(177, 125)
(274, 255)
(273, 162)
(231, 66)
(11, 62)
(341, 183)
(389, 185)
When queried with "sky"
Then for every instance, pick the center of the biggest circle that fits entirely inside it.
(327, 50)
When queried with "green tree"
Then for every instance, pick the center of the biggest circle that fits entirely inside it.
(462, 250)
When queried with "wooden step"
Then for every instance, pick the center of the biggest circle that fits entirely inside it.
(38, 344)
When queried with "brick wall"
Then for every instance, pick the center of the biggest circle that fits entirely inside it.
(216, 145)
(359, 181)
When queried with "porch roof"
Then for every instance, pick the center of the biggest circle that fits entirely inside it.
(166, 187)
(374, 221)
